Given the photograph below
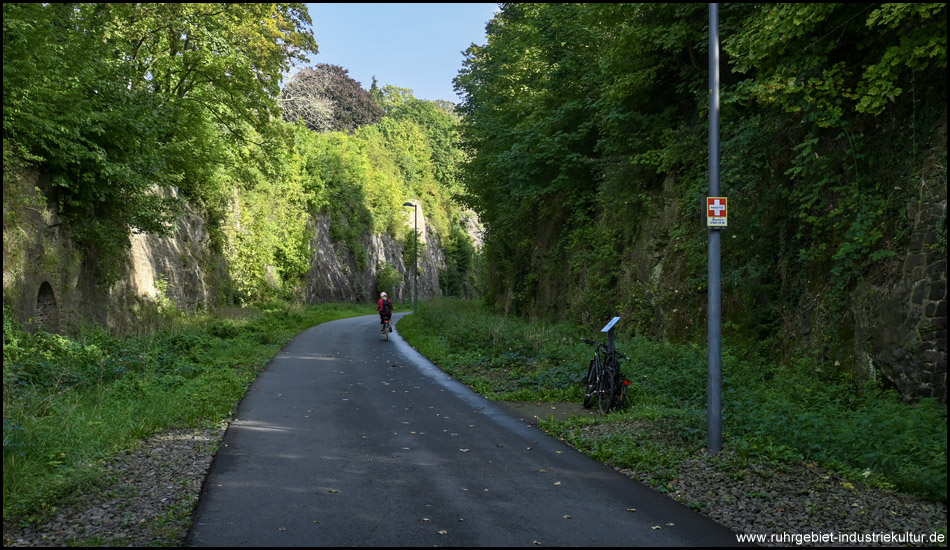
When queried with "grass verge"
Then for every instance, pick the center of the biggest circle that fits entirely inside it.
(771, 412)
(70, 403)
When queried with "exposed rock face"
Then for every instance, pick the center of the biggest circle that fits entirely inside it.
(329, 280)
(41, 265)
(182, 268)
(336, 276)
(905, 320)
(159, 267)
(50, 283)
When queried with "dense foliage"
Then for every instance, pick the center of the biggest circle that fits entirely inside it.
(585, 125)
(359, 179)
(122, 104)
(129, 111)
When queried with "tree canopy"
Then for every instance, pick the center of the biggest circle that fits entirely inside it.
(327, 99)
(118, 102)
(583, 122)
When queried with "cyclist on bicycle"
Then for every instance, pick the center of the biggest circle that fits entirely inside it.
(385, 309)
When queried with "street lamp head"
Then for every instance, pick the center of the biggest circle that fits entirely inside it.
(409, 204)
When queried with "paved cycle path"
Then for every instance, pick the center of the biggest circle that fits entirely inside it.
(349, 440)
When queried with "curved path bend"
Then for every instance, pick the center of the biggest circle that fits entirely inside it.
(348, 440)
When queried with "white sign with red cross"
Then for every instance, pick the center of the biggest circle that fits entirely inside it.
(716, 214)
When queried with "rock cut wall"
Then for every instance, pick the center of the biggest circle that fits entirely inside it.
(50, 284)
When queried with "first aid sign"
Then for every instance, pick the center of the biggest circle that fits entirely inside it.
(716, 213)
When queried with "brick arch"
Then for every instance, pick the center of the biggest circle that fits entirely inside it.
(47, 312)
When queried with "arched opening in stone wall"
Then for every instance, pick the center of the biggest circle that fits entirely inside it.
(47, 314)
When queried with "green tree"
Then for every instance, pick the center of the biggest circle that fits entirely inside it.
(440, 128)
(583, 121)
(327, 99)
(824, 61)
(833, 78)
(123, 103)
(530, 135)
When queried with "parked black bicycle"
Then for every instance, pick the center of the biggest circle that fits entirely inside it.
(606, 384)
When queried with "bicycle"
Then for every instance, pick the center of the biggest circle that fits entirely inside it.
(387, 328)
(605, 382)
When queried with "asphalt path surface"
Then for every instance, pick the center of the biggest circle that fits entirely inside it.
(349, 440)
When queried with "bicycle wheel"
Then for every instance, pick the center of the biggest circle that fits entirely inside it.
(619, 385)
(606, 389)
(590, 392)
(386, 330)
(620, 395)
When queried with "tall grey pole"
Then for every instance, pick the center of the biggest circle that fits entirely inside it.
(415, 254)
(714, 332)
(445, 259)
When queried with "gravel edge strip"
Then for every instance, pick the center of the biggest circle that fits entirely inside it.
(147, 497)
(150, 493)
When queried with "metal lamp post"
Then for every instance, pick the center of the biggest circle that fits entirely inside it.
(446, 260)
(714, 328)
(415, 255)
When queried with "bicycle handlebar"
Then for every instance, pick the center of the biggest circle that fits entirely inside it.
(603, 346)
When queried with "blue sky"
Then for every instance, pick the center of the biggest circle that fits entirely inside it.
(415, 46)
